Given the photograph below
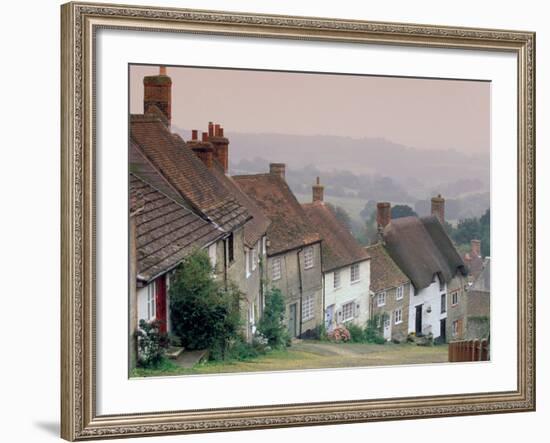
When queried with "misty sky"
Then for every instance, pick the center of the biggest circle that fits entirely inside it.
(421, 113)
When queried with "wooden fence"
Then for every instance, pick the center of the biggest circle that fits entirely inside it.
(471, 350)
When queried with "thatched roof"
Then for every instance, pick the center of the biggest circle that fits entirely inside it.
(422, 248)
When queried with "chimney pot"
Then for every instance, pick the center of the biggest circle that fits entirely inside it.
(162, 70)
(438, 208)
(194, 134)
(216, 130)
(277, 169)
(221, 132)
(383, 214)
(210, 129)
(205, 136)
(157, 91)
(318, 191)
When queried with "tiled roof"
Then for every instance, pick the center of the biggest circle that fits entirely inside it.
(255, 228)
(338, 245)
(185, 172)
(289, 228)
(384, 272)
(166, 231)
(422, 248)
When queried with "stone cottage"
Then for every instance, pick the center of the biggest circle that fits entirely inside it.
(294, 261)
(345, 265)
(391, 292)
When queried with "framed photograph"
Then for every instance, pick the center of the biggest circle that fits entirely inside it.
(277, 221)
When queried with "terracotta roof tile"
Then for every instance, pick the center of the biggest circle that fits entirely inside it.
(185, 172)
(338, 245)
(290, 227)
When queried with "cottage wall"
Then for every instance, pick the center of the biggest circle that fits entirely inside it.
(292, 268)
(398, 331)
(457, 312)
(357, 292)
(430, 299)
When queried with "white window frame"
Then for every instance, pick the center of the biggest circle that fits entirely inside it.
(399, 291)
(247, 261)
(308, 257)
(381, 296)
(212, 254)
(264, 244)
(337, 280)
(151, 301)
(276, 269)
(357, 273)
(254, 257)
(398, 316)
(454, 298)
(308, 307)
(347, 311)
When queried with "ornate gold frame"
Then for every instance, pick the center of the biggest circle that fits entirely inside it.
(79, 420)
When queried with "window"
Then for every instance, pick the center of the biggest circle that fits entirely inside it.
(254, 258)
(454, 298)
(212, 255)
(264, 245)
(151, 301)
(347, 311)
(307, 307)
(354, 275)
(381, 299)
(337, 280)
(230, 248)
(276, 268)
(398, 316)
(247, 259)
(308, 257)
(443, 303)
(399, 293)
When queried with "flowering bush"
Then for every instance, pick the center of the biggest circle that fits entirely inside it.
(151, 344)
(339, 333)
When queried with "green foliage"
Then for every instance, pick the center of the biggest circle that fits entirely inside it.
(271, 325)
(204, 314)
(473, 229)
(151, 344)
(399, 211)
(356, 332)
(373, 333)
(341, 214)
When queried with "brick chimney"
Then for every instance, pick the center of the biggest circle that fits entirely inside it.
(438, 208)
(318, 191)
(277, 169)
(475, 248)
(203, 149)
(383, 214)
(220, 144)
(157, 91)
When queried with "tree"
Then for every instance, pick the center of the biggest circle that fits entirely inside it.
(271, 325)
(399, 211)
(341, 214)
(204, 314)
(369, 208)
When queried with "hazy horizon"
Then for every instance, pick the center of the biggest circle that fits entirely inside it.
(425, 114)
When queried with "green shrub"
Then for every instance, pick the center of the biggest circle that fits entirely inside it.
(204, 314)
(271, 325)
(356, 332)
(151, 344)
(373, 333)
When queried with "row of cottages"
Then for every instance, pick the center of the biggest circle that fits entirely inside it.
(419, 281)
(321, 270)
(181, 200)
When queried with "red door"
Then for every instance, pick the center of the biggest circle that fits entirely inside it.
(161, 303)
